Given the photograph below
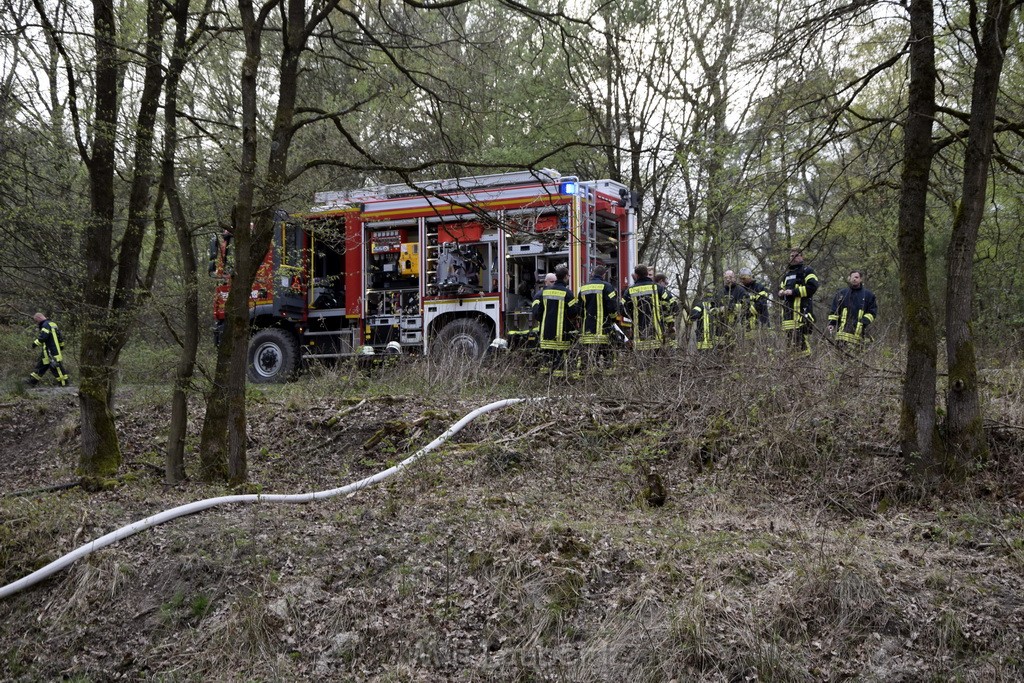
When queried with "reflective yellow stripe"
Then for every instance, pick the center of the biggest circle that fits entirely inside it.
(705, 342)
(593, 290)
(56, 340)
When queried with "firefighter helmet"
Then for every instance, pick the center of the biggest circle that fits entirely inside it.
(366, 350)
(393, 348)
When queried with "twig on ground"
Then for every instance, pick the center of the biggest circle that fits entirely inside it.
(527, 434)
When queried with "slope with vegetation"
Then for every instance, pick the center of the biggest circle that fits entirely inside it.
(791, 545)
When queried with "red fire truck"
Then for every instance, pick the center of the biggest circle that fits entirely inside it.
(433, 268)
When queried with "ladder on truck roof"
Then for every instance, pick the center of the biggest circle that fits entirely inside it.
(335, 199)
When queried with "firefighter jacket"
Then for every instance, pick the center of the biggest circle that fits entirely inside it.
(798, 309)
(853, 309)
(50, 342)
(554, 309)
(705, 314)
(670, 311)
(732, 301)
(598, 303)
(645, 304)
(755, 309)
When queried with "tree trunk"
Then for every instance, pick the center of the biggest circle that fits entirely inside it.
(174, 460)
(225, 408)
(109, 319)
(213, 447)
(224, 432)
(101, 454)
(965, 434)
(919, 437)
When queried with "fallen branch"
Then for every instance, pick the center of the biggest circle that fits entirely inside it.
(527, 434)
(45, 489)
(1009, 546)
(336, 418)
(995, 424)
(159, 471)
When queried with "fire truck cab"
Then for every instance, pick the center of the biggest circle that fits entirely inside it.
(440, 267)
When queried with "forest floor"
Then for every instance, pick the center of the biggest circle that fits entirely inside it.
(792, 545)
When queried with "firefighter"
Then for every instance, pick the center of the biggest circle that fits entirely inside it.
(554, 309)
(796, 292)
(51, 352)
(755, 314)
(599, 304)
(853, 309)
(731, 304)
(705, 315)
(533, 338)
(670, 312)
(645, 303)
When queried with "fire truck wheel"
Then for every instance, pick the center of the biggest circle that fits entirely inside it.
(273, 355)
(463, 337)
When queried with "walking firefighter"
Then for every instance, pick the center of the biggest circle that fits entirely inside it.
(51, 352)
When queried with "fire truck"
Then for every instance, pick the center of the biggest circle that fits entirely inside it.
(438, 267)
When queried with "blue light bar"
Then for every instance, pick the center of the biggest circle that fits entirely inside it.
(568, 188)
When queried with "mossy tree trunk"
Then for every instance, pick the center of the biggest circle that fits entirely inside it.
(224, 435)
(965, 434)
(108, 310)
(110, 314)
(101, 454)
(920, 441)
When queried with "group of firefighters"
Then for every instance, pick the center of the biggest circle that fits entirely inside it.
(596, 316)
(647, 310)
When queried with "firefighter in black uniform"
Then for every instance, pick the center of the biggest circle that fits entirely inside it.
(533, 339)
(645, 303)
(51, 352)
(705, 315)
(796, 292)
(671, 312)
(755, 314)
(731, 304)
(554, 309)
(599, 304)
(853, 309)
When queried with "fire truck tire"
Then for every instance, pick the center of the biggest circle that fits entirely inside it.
(273, 356)
(464, 337)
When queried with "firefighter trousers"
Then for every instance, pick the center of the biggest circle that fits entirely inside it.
(55, 366)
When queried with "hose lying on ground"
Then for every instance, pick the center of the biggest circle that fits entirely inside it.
(198, 506)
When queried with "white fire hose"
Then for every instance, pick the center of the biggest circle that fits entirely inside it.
(190, 508)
